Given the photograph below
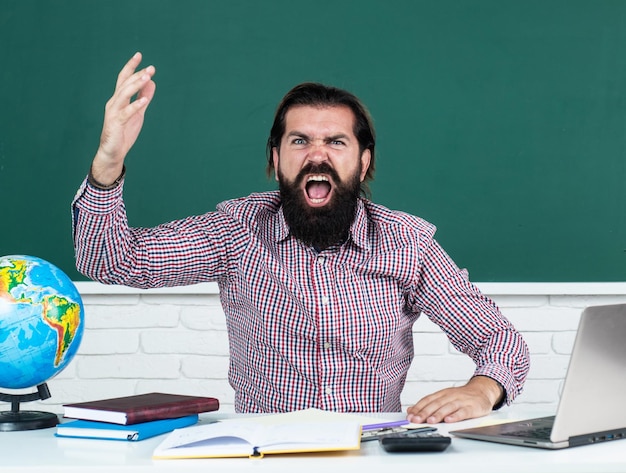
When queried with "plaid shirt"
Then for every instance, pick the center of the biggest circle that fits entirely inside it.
(330, 330)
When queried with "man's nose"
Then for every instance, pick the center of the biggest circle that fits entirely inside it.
(318, 152)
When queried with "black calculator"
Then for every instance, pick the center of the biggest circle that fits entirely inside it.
(414, 441)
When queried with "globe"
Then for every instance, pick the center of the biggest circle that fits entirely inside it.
(41, 321)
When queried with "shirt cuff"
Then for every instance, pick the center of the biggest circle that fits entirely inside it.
(95, 200)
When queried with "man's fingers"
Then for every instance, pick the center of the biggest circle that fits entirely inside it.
(133, 85)
(447, 405)
(457, 416)
(128, 69)
(147, 91)
(144, 96)
(141, 85)
(426, 409)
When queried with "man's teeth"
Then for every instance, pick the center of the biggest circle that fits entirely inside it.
(317, 178)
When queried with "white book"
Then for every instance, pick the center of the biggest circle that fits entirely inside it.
(257, 436)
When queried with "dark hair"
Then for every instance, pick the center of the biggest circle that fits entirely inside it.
(315, 94)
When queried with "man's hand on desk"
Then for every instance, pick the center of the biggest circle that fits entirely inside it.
(477, 398)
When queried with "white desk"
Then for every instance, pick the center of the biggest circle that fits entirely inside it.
(41, 451)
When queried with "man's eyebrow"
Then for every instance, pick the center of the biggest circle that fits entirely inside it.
(299, 134)
(338, 136)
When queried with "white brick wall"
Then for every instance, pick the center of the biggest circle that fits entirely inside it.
(174, 340)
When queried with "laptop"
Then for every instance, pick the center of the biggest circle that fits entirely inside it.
(591, 407)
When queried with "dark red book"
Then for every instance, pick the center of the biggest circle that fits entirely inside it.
(139, 408)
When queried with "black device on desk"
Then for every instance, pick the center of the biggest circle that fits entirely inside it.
(414, 441)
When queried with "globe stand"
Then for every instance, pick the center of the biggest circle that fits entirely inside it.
(26, 420)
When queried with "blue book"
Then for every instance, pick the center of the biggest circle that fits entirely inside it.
(106, 431)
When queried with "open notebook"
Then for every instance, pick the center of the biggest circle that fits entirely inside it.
(591, 408)
(307, 430)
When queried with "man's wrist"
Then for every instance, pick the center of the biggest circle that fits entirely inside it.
(496, 392)
(98, 185)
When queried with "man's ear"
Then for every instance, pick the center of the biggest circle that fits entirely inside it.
(275, 161)
(366, 157)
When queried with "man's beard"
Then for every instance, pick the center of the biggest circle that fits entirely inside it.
(320, 227)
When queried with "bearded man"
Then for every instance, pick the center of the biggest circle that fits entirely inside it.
(320, 286)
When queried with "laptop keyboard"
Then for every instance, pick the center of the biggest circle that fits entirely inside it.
(539, 429)
(539, 433)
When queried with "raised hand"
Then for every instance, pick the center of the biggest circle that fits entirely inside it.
(123, 119)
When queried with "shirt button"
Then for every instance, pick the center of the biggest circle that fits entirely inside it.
(325, 300)
(329, 391)
(326, 345)
(321, 259)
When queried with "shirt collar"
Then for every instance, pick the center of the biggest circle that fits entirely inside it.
(358, 229)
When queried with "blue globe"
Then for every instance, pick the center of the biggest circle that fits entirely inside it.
(41, 321)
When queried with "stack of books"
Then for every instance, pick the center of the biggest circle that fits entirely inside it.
(133, 418)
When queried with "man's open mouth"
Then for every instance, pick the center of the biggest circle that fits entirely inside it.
(318, 189)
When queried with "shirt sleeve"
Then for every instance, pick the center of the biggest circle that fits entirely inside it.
(472, 321)
(181, 252)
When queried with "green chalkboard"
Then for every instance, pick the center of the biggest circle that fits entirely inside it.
(501, 122)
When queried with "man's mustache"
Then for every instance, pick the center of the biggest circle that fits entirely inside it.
(322, 168)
